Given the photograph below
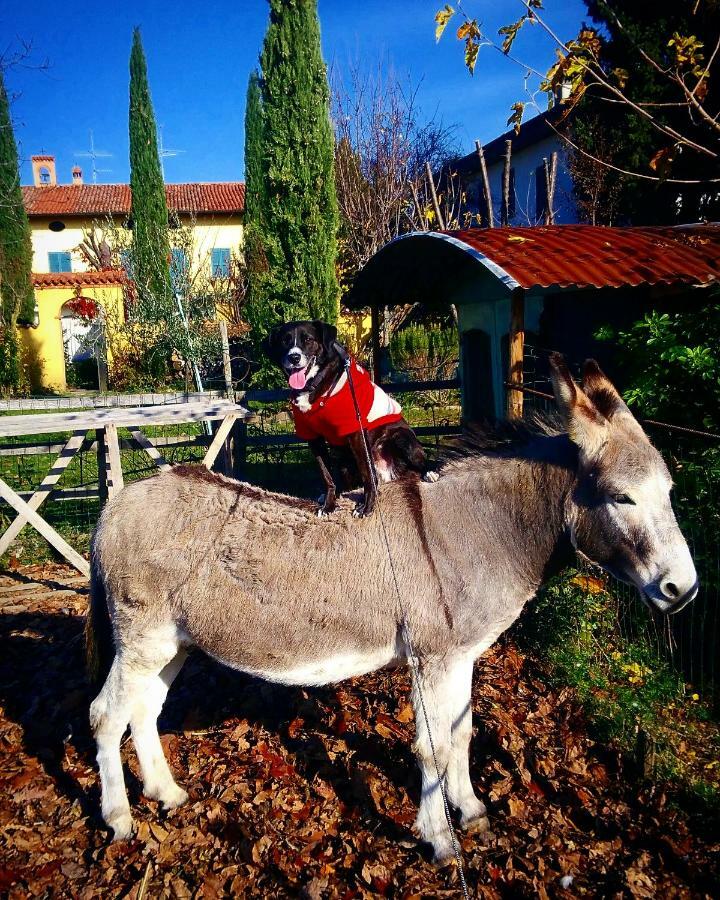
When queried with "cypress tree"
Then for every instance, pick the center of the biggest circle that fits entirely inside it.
(151, 249)
(298, 216)
(254, 177)
(17, 299)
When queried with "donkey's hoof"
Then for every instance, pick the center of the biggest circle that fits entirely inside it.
(478, 825)
(122, 825)
(173, 798)
(443, 856)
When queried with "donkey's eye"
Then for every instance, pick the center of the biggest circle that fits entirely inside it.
(622, 498)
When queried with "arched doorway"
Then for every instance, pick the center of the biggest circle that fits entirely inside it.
(82, 341)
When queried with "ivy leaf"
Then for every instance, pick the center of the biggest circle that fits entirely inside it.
(517, 114)
(472, 45)
(511, 32)
(442, 17)
(621, 76)
(662, 161)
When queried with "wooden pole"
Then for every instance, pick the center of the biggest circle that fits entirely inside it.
(552, 178)
(486, 186)
(516, 350)
(433, 195)
(505, 208)
(227, 369)
(375, 341)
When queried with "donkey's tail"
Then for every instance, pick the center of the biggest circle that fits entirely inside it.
(99, 644)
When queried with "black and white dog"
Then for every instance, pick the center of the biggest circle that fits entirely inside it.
(324, 413)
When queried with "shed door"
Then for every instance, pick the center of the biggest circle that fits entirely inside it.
(477, 387)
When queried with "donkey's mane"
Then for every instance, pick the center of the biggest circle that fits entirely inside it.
(495, 438)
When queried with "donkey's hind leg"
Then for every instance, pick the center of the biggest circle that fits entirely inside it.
(131, 682)
(158, 782)
(109, 717)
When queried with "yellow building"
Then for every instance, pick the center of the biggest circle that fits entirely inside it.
(62, 216)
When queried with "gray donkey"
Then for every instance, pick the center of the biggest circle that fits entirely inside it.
(254, 579)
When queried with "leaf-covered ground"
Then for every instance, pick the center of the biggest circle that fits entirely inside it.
(312, 793)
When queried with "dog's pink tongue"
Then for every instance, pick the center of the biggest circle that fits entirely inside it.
(297, 380)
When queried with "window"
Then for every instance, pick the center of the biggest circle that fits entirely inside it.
(60, 262)
(220, 263)
(178, 268)
(541, 197)
(56, 226)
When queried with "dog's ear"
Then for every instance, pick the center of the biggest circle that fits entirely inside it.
(327, 333)
(270, 342)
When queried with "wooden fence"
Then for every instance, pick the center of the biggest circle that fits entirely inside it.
(93, 429)
(222, 446)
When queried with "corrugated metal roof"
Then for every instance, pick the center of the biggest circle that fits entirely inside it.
(425, 266)
(105, 199)
(592, 256)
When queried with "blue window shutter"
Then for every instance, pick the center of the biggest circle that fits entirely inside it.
(220, 262)
(60, 262)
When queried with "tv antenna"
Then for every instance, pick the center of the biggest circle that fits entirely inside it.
(94, 155)
(163, 152)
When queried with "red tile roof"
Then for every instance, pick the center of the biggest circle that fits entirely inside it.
(103, 199)
(78, 279)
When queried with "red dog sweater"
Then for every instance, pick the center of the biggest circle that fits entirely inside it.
(333, 415)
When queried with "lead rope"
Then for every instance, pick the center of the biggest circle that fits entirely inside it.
(407, 637)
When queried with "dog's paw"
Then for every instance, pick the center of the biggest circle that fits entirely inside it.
(430, 477)
(359, 511)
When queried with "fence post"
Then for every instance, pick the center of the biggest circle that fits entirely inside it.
(227, 369)
(516, 350)
(237, 450)
(102, 466)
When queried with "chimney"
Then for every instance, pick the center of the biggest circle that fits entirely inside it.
(77, 175)
(43, 170)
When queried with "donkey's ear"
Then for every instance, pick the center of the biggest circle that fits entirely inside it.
(586, 426)
(328, 334)
(601, 391)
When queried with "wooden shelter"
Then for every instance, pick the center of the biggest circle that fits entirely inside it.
(554, 285)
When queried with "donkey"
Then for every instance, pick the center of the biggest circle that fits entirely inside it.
(252, 578)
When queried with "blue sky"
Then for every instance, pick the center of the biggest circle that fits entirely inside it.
(200, 55)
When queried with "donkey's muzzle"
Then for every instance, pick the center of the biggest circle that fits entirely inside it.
(686, 598)
(665, 601)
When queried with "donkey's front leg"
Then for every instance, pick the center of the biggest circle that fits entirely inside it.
(432, 694)
(473, 814)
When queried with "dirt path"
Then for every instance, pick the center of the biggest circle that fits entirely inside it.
(313, 793)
